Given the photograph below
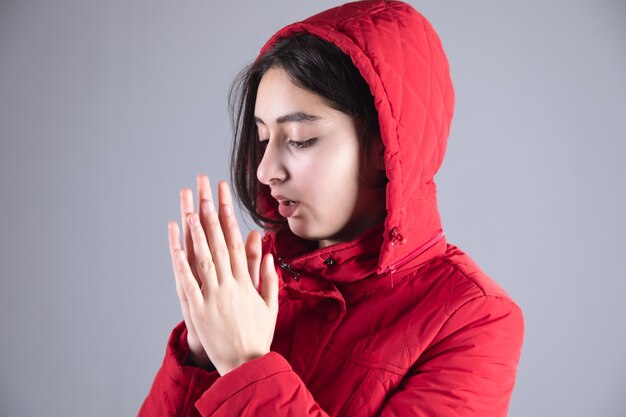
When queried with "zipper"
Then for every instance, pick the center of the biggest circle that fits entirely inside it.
(391, 268)
(430, 242)
(287, 267)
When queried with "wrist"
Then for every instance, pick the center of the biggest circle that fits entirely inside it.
(234, 365)
(199, 361)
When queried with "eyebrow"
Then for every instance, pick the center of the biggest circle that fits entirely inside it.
(292, 117)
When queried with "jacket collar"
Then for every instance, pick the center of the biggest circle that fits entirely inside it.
(341, 262)
(345, 262)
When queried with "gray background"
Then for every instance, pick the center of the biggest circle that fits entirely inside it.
(109, 108)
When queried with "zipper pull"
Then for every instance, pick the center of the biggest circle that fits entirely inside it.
(287, 267)
(390, 271)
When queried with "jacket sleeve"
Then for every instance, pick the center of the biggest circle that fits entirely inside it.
(177, 386)
(469, 369)
(265, 386)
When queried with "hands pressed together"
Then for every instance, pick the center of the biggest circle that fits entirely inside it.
(228, 320)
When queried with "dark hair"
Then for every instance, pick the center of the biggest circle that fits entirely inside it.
(313, 64)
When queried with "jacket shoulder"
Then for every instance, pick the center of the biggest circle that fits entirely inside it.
(472, 309)
(465, 279)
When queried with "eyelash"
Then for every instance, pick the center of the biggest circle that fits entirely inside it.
(296, 144)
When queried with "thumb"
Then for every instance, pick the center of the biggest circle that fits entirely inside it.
(269, 287)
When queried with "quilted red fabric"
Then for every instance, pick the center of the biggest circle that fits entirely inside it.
(400, 322)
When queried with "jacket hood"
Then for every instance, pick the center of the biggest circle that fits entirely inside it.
(400, 56)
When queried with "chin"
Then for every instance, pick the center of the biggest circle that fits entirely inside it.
(304, 231)
(302, 234)
(314, 234)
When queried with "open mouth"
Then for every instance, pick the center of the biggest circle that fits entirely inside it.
(286, 208)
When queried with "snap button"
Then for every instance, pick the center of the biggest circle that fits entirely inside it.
(396, 236)
(330, 261)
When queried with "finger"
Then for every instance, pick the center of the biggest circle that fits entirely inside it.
(205, 202)
(232, 234)
(186, 284)
(204, 194)
(205, 265)
(253, 256)
(186, 207)
(174, 244)
(269, 288)
(215, 239)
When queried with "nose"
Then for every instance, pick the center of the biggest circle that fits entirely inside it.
(271, 168)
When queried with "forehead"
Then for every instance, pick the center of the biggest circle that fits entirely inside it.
(280, 100)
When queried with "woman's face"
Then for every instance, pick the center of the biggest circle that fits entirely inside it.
(313, 163)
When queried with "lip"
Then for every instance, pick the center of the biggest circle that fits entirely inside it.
(281, 197)
(286, 210)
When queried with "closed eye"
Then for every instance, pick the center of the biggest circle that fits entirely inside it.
(295, 143)
(302, 144)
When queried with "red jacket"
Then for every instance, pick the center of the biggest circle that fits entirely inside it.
(397, 322)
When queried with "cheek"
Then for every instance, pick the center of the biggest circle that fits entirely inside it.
(343, 163)
(333, 178)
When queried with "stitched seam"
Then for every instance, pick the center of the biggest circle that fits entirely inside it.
(464, 274)
(466, 302)
(397, 370)
(371, 12)
(247, 386)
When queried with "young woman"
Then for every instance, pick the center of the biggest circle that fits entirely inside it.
(352, 303)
